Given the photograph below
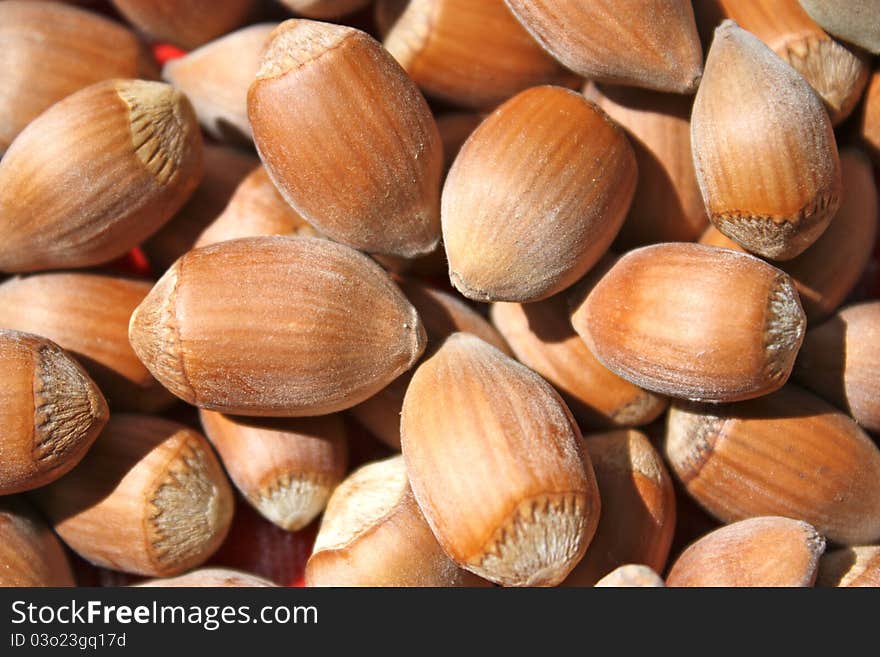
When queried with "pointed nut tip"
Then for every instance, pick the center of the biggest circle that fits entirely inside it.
(472, 293)
(727, 26)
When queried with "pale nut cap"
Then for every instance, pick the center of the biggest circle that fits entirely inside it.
(373, 534)
(857, 566)
(631, 576)
(854, 20)
(50, 410)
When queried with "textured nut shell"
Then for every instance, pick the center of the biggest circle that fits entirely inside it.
(149, 498)
(631, 575)
(764, 149)
(496, 463)
(186, 24)
(840, 360)
(827, 271)
(87, 315)
(767, 551)
(870, 119)
(284, 326)
(216, 78)
(373, 534)
(347, 138)
(837, 73)
(211, 578)
(256, 208)
(471, 54)
(225, 168)
(854, 20)
(694, 321)
(324, 9)
(850, 567)
(95, 174)
(286, 468)
(667, 206)
(535, 196)
(46, 59)
(643, 43)
(543, 339)
(50, 410)
(30, 554)
(788, 453)
(442, 314)
(638, 507)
